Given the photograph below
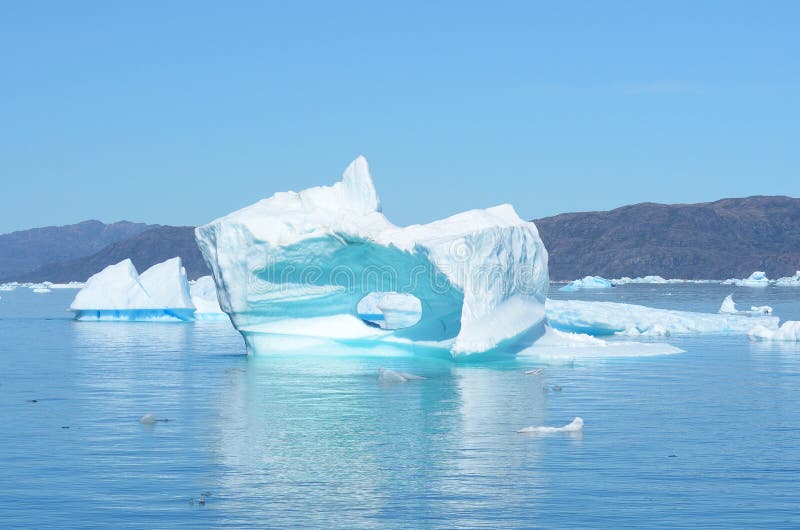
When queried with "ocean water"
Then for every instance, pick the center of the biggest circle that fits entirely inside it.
(710, 437)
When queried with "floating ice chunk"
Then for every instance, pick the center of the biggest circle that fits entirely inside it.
(607, 318)
(574, 426)
(729, 307)
(41, 290)
(8, 286)
(204, 299)
(788, 332)
(587, 282)
(561, 346)
(390, 376)
(646, 279)
(119, 293)
(757, 279)
(70, 285)
(480, 276)
(789, 281)
(147, 419)
(390, 310)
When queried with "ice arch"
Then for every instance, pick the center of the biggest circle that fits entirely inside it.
(297, 263)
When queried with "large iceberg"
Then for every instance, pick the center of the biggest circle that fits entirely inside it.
(118, 292)
(608, 318)
(298, 264)
(588, 282)
(728, 307)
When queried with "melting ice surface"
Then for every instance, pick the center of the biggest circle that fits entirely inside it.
(295, 266)
(757, 279)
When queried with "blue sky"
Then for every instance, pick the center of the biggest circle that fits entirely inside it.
(179, 112)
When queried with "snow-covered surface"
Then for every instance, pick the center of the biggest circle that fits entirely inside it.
(588, 282)
(757, 279)
(607, 318)
(119, 293)
(788, 332)
(308, 257)
(574, 426)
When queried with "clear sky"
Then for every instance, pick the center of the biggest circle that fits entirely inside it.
(179, 112)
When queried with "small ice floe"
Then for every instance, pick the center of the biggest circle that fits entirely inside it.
(390, 376)
(41, 290)
(149, 419)
(575, 426)
(538, 371)
(728, 307)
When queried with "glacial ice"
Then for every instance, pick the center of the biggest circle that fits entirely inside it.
(757, 279)
(204, 299)
(298, 264)
(390, 310)
(391, 376)
(118, 292)
(789, 281)
(588, 282)
(608, 318)
(574, 426)
(729, 307)
(788, 332)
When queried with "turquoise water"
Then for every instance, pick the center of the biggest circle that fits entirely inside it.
(710, 437)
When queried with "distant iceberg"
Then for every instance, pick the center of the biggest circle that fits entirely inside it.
(788, 332)
(789, 281)
(728, 307)
(118, 292)
(757, 279)
(298, 263)
(588, 282)
(608, 318)
(646, 279)
(204, 299)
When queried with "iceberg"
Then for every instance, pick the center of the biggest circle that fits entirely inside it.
(729, 307)
(588, 282)
(789, 281)
(298, 263)
(609, 318)
(757, 279)
(390, 310)
(118, 292)
(390, 376)
(788, 332)
(204, 299)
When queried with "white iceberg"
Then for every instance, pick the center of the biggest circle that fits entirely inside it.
(788, 332)
(8, 286)
(119, 293)
(587, 282)
(728, 307)
(299, 263)
(41, 290)
(608, 318)
(558, 347)
(789, 281)
(757, 279)
(575, 425)
(204, 299)
(70, 285)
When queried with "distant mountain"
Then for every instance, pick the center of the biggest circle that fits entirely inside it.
(145, 249)
(729, 238)
(26, 250)
(716, 240)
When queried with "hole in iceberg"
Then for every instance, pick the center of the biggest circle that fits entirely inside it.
(390, 310)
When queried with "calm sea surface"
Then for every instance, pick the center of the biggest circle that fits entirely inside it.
(710, 437)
